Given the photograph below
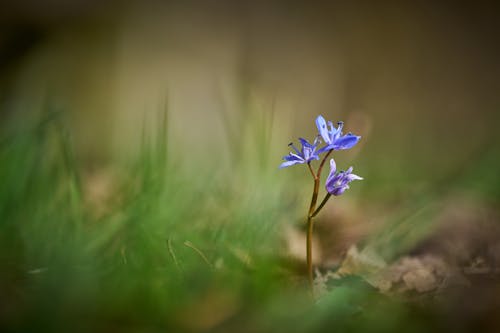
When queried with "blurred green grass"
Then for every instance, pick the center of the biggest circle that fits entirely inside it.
(180, 246)
(170, 237)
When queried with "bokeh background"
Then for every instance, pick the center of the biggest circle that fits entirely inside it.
(228, 85)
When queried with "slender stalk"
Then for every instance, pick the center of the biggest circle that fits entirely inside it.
(323, 163)
(312, 212)
(325, 199)
(311, 170)
(309, 252)
(314, 199)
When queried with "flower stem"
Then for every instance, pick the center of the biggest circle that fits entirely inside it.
(325, 199)
(312, 212)
(311, 170)
(323, 163)
(309, 252)
(314, 199)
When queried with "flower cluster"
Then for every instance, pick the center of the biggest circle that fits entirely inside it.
(334, 139)
(338, 182)
(305, 155)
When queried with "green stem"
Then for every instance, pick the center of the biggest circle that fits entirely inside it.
(314, 199)
(323, 163)
(309, 252)
(325, 199)
(312, 212)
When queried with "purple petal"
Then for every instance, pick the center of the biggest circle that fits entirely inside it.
(333, 184)
(305, 143)
(340, 190)
(322, 129)
(292, 157)
(330, 187)
(289, 163)
(352, 177)
(325, 149)
(313, 156)
(331, 175)
(346, 142)
(333, 166)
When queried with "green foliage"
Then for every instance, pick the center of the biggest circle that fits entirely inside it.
(177, 248)
(169, 238)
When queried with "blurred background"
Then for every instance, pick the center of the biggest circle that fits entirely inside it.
(423, 77)
(228, 85)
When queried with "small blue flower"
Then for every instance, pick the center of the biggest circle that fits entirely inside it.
(333, 137)
(338, 182)
(305, 155)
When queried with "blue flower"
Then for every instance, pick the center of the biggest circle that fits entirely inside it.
(305, 155)
(333, 137)
(338, 182)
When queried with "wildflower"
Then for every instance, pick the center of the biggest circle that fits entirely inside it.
(333, 137)
(338, 182)
(305, 155)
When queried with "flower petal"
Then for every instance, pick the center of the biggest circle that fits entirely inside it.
(292, 157)
(345, 142)
(322, 129)
(305, 143)
(333, 166)
(330, 187)
(289, 163)
(340, 190)
(325, 149)
(313, 157)
(352, 177)
(332, 178)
